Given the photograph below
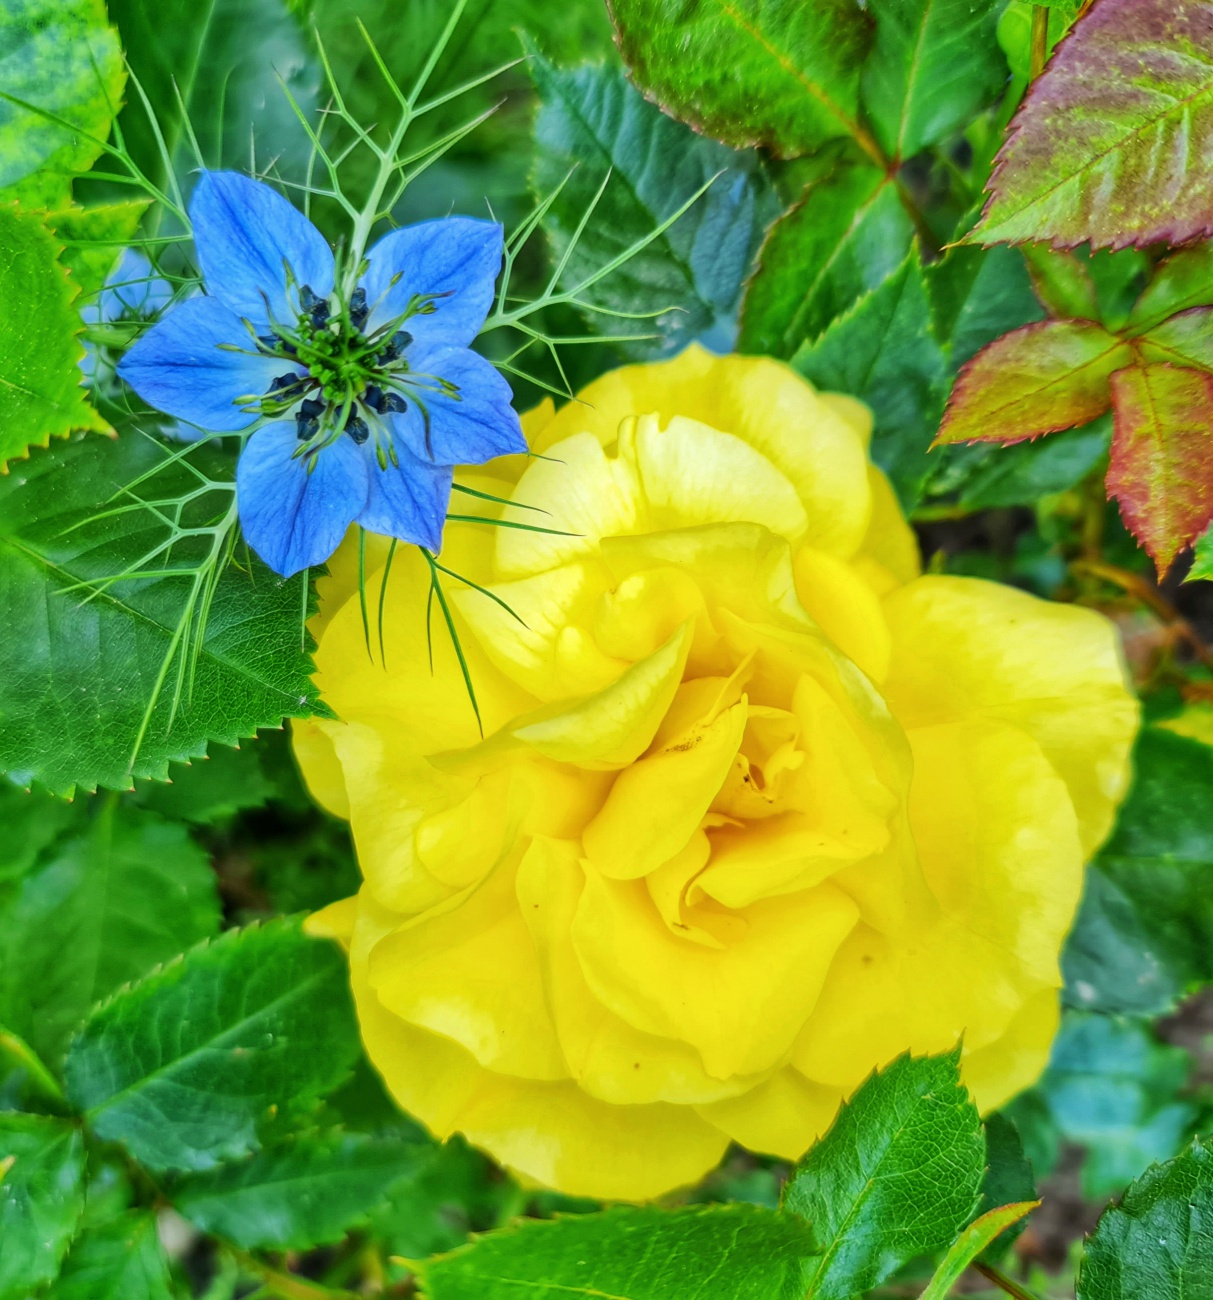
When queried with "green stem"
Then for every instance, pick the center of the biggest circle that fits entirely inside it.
(1040, 41)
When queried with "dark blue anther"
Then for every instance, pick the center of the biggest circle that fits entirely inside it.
(394, 402)
(357, 428)
(358, 308)
(307, 418)
(395, 349)
(316, 308)
(281, 382)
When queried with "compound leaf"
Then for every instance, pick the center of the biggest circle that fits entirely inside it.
(118, 1260)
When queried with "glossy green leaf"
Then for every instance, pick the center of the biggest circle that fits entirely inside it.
(63, 57)
(210, 789)
(933, 64)
(780, 73)
(31, 821)
(183, 1067)
(884, 352)
(594, 127)
(977, 1237)
(977, 295)
(303, 1193)
(41, 387)
(739, 1251)
(118, 1260)
(1111, 962)
(233, 72)
(101, 908)
(41, 1198)
(1021, 474)
(847, 235)
(95, 675)
(1113, 1089)
(1035, 380)
(1157, 1244)
(1133, 84)
(93, 239)
(897, 1175)
(1160, 856)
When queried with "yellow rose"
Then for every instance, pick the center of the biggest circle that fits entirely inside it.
(757, 806)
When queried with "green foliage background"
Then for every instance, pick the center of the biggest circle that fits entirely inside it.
(185, 1110)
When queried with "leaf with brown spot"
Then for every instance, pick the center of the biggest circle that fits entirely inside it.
(1041, 378)
(1111, 144)
(1161, 471)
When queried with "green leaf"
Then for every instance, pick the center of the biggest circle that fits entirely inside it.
(1035, 380)
(118, 1260)
(979, 294)
(41, 388)
(1113, 1089)
(304, 1193)
(1111, 963)
(1015, 31)
(23, 1075)
(1157, 1244)
(63, 57)
(94, 675)
(211, 789)
(780, 73)
(740, 1251)
(1131, 85)
(593, 124)
(100, 910)
(1063, 283)
(933, 64)
(1202, 560)
(1185, 339)
(184, 1066)
(31, 821)
(94, 237)
(232, 68)
(847, 235)
(41, 1199)
(977, 1237)
(1183, 281)
(1021, 474)
(897, 1175)
(884, 352)
(1008, 1178)
(1160, 856)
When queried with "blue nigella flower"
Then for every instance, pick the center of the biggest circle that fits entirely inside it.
(365, 399)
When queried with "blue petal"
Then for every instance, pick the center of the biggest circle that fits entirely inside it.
(408, 500)
(179, 367)
(456, 256)
(247, 235)
(290, 517)
(468, 429)
(134, 288)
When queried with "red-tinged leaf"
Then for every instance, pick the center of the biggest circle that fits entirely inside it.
(1044, 377)
(1112, 143)
(1161, 471)
(1184, 340)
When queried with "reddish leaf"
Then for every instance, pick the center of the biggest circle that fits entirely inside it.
(1112, 143)
(1162, 456)
(1044, 377)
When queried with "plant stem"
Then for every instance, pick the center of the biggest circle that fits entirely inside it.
(1003, 1282)
(1040, 41)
